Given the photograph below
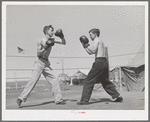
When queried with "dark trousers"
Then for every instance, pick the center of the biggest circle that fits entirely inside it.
(98, 73)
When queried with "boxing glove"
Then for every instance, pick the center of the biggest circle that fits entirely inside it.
(84, 40)
(86, 45)
(49, 42)
(59, 33)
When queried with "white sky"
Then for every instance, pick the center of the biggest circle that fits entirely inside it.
(122, 30)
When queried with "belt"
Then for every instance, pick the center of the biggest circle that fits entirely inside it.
(100, 58)
(43, 58)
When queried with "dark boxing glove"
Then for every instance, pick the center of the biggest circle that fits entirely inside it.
(59, 33)
(49, 42)
(84, 40)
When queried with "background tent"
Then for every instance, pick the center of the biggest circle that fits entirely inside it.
(78, 78)
(132, 78)
(63, 78)
(139, 58)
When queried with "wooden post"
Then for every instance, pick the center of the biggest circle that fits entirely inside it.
(106, 55)
(15, 80)
(71, 81)
(16, 84)
(120, 78)
(62, 63)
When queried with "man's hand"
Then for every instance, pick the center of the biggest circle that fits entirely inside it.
(49, 42)
(85, 45)
(84, 40)
(59, 33)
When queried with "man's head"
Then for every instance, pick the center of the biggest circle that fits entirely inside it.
(48, 30)
(94, 33)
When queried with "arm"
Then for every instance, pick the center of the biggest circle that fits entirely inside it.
(92, 50)
(85, 47)
(60, 41)
(40, 49)
(60, 34)
(89, 52)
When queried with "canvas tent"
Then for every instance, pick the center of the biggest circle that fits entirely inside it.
(131, 76)
(63, 78)
(139, 59)
(78, 78)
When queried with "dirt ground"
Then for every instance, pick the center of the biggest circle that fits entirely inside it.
(41, 98)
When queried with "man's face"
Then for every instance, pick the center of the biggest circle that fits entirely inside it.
(92, 36)
(50, 32)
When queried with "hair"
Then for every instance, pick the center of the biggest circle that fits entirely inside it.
(95, 31)
(46, 28)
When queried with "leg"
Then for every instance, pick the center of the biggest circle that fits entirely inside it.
(88, 87)
(91, 79)
(53, 81)
(31, 84)
(107, 85)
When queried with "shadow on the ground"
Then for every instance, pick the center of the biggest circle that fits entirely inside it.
(40, 104)
(49, 102)
(106, 100)
(92, 101)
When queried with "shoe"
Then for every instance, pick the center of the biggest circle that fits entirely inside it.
(19, 101)
(60, 102)
(119, 99)
(83, 103)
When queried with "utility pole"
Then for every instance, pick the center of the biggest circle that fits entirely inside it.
(15, 80)
(62, 61)
(106, 55)
(120, 78)
(62, 65)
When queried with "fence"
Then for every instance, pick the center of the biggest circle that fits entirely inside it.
(17, 66)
